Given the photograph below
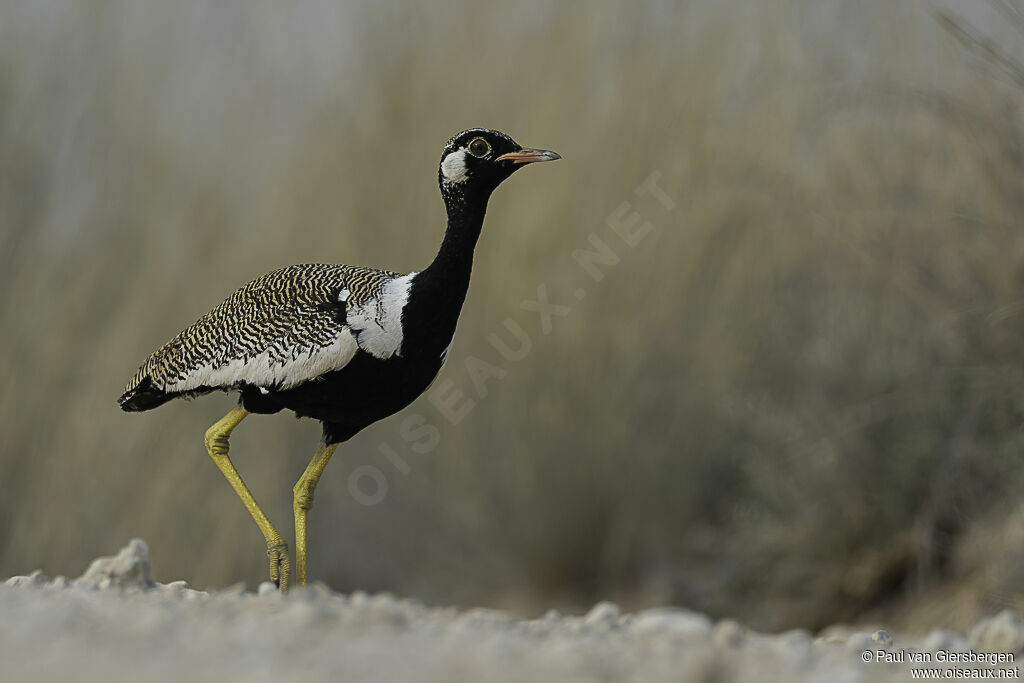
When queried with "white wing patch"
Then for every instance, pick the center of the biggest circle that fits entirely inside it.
(268, 370)
(453, 168)
(375, 327)
(378, 324)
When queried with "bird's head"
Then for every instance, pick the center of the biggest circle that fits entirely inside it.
(478, 159)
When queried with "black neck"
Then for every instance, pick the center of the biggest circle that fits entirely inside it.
(440, 289)
(454, 259)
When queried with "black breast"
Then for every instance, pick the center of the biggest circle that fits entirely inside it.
(367, 389)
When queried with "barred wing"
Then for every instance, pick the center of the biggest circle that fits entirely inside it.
(276, 332)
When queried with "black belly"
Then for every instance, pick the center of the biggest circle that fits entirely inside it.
(347, 400)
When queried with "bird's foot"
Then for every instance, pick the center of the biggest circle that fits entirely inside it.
(280, 563)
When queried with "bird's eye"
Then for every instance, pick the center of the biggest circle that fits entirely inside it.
(478, 147)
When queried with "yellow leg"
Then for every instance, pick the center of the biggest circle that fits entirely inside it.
(217, 445)
(303, 503)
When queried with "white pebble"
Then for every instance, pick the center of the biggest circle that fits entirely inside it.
(35, 579)
(603, 614)
(882, 638)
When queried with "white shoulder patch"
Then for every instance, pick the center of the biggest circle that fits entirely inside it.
(453, 168)
(378, 324)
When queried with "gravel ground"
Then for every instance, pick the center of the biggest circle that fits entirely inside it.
(114, 623)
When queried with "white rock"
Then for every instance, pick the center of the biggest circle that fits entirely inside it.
(859, 642)
(384, 600)
(34, 580)
(379, 638)
(673, 623)
(836, 634)
(174, 588)
(940, 639)
(1001, 633)
(128, 569)
(603, 615)
(729, 633)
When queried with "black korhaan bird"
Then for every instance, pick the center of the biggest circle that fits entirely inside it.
(344, 345)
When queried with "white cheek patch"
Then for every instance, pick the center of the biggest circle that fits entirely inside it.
(453, 168)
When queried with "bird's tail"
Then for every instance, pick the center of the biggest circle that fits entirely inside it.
(143, 396)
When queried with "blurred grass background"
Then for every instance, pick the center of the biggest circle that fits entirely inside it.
(797, 402)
